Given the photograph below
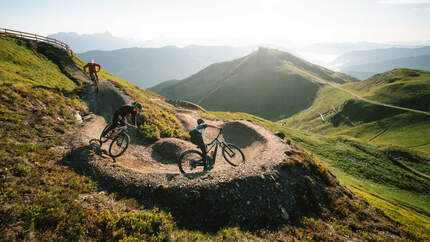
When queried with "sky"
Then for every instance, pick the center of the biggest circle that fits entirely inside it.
(231, 22)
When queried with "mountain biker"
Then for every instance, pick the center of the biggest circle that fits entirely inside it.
(92, 67)
(120, 116)
(197, 138)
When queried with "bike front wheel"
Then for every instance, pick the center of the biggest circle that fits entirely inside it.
(191, 162)
(119, 145)
(106, 136)
(95, 81)
(233, 155)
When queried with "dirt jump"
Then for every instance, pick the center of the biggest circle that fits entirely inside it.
(267, 191)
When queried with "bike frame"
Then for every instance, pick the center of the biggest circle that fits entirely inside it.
(215, 143)
(120, 129)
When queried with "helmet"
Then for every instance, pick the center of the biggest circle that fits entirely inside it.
(92, 62)
(137, 105)
(200, 121)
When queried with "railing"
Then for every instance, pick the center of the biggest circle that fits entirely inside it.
(24, 35)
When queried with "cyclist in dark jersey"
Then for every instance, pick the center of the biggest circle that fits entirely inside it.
(197, 137)
(120, 116)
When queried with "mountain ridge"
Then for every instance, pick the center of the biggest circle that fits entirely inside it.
(224, 86)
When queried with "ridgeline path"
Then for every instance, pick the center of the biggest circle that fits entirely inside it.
(376, 102)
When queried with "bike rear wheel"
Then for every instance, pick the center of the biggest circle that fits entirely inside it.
(191, 162)
(233, 155)
(119, 145)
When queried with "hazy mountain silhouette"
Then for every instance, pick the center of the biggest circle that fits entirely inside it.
(149, 66)
(341, 48)
(98, 41)
(269, 83)
(369, 69)
(378, 55)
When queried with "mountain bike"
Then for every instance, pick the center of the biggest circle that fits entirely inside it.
(191, 161)
(95, 80)
(120, 139)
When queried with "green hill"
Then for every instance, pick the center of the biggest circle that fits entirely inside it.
(344, 114)
(268, 83)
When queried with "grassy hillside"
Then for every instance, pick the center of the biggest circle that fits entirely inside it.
(402, 87)
(290, 84)
(366, 169)
(345, 115)
(40, 198)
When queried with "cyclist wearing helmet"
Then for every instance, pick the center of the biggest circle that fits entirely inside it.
(92, 68)
(197, 136)
(120, 116)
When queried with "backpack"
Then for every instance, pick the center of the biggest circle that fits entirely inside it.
(194, 134)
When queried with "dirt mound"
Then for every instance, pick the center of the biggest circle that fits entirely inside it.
(269, 195)
(246, 137)
(241, 134)
(171, 148)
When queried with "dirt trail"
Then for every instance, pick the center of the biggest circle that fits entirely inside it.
(257, 143)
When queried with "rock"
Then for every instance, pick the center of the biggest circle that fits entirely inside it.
(78, 117)
(88, 117)
(280, 135)
(284, 213)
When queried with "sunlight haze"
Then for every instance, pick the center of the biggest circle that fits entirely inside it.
(227, 22)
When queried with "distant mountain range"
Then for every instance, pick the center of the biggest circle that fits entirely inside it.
(363, 64)
(99, 41)
(378, 55)
(147, 67)
(268, 83)
(367, 70)
(345, 47)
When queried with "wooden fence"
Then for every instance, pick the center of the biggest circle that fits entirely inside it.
(36, 37)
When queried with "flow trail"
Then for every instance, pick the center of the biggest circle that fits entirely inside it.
(266, 191)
